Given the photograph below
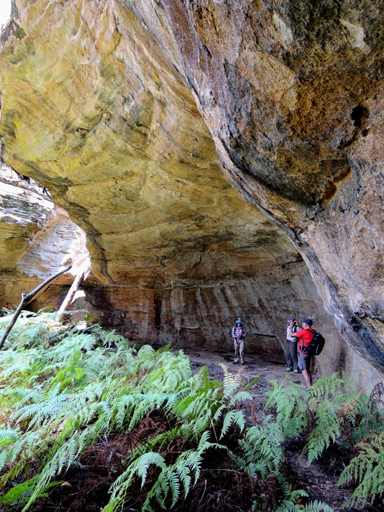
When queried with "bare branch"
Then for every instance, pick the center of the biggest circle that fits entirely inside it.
(26, 299)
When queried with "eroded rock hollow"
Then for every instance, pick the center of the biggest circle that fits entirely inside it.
(142, 117)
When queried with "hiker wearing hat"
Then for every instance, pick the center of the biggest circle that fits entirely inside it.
(291, 347)
(238, 334)
(306, 337)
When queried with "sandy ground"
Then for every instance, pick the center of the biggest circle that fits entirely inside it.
(255, 366)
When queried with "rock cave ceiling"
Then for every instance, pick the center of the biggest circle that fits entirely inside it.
(130, 113)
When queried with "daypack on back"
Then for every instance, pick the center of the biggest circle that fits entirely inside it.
(317, 344)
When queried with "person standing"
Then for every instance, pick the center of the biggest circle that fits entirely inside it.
(238, 334)
(306, 337)
(291, 348)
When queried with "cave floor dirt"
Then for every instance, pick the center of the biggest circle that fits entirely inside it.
(319, 479)
(262, 366)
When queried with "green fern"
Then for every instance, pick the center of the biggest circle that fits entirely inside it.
(368, 470)
(291, 504)
(87, 391)
(326, 431)
(7, 436)
(323, 414)
(21, 493)
(169, 481)
(88, 386)
(317, 506)
(233, 417)
(327, 386)
(290, 402)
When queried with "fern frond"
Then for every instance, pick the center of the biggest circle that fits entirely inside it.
(241, 396)
(326, 386)
(291, 406)
(19, 494)
(367, 469)
(7, 436)
(317, 506)
(327, 430)
(229, 378)
(233, 417)
(45, 406)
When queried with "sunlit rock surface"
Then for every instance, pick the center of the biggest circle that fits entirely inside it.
(37, 240)
(129, 113)
(196, 315)
(24, 210)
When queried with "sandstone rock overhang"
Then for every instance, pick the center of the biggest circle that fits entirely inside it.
(120, 109)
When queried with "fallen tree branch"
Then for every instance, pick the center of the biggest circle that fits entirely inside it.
(26, 299)
(72, 291)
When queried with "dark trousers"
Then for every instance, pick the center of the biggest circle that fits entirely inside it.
(291, 354)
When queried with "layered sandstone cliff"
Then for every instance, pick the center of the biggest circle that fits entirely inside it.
(37, 240)
(129, 113)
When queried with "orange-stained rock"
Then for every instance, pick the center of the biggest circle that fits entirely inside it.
(130, 112)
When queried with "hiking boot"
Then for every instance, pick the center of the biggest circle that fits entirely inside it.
(289, 369)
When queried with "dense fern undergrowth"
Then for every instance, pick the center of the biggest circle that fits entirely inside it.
(91, 423)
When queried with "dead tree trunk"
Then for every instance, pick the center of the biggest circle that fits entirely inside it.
(26, 299)
(71, 293)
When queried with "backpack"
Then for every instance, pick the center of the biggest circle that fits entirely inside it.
(317, 344)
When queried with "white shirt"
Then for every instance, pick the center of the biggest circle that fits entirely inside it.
(292, 338)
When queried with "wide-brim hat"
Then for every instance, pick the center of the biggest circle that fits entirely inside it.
(238, 321)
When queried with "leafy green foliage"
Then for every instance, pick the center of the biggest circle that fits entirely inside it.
(21, 493)
(327, 429)
(367, 469)
(57, 400)
(330, 412)
(170, 480)
(62, 398)
(290, 404)
(317, 506)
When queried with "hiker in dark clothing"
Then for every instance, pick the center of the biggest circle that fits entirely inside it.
(238, 334)
(306, 337)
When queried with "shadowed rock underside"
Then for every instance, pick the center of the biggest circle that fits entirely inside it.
(130, 112)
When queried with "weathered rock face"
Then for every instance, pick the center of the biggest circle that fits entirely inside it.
(37, 240)
(24, 210)
(99, 104)
(293, 96)
(256, 273)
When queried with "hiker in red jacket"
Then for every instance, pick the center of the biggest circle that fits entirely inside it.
(306, 336)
